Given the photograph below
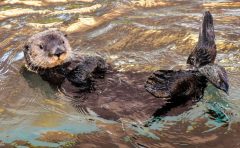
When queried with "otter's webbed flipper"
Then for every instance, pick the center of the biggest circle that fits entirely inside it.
(175, 84)
(205, 50)
(216, 75)
(84, 73)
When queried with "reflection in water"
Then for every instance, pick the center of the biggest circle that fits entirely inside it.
(136, 37)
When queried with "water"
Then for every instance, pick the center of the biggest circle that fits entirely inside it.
(136, 37)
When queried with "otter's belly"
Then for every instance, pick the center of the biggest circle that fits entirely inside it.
(122, 95)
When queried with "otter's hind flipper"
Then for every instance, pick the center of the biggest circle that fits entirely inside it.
(174, 84)
(205, 50)
(157, 84)
(216, 75)
(206, 33)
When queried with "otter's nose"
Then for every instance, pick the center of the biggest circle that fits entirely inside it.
(59, 52)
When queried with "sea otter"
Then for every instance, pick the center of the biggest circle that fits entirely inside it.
(117, 95)
(190, 84)
(49, 54)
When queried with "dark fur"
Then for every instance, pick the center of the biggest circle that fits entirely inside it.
(81, 73)
(205, 50)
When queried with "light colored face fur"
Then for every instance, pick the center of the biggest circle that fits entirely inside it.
(47, 49)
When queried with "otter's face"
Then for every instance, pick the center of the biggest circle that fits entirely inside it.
(216, 75)
(47, 49)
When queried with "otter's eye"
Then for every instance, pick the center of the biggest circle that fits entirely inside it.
(26, 46)
(41, 46)
(63, 42)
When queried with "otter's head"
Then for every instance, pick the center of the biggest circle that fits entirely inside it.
(47, 49)
(216, 75)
